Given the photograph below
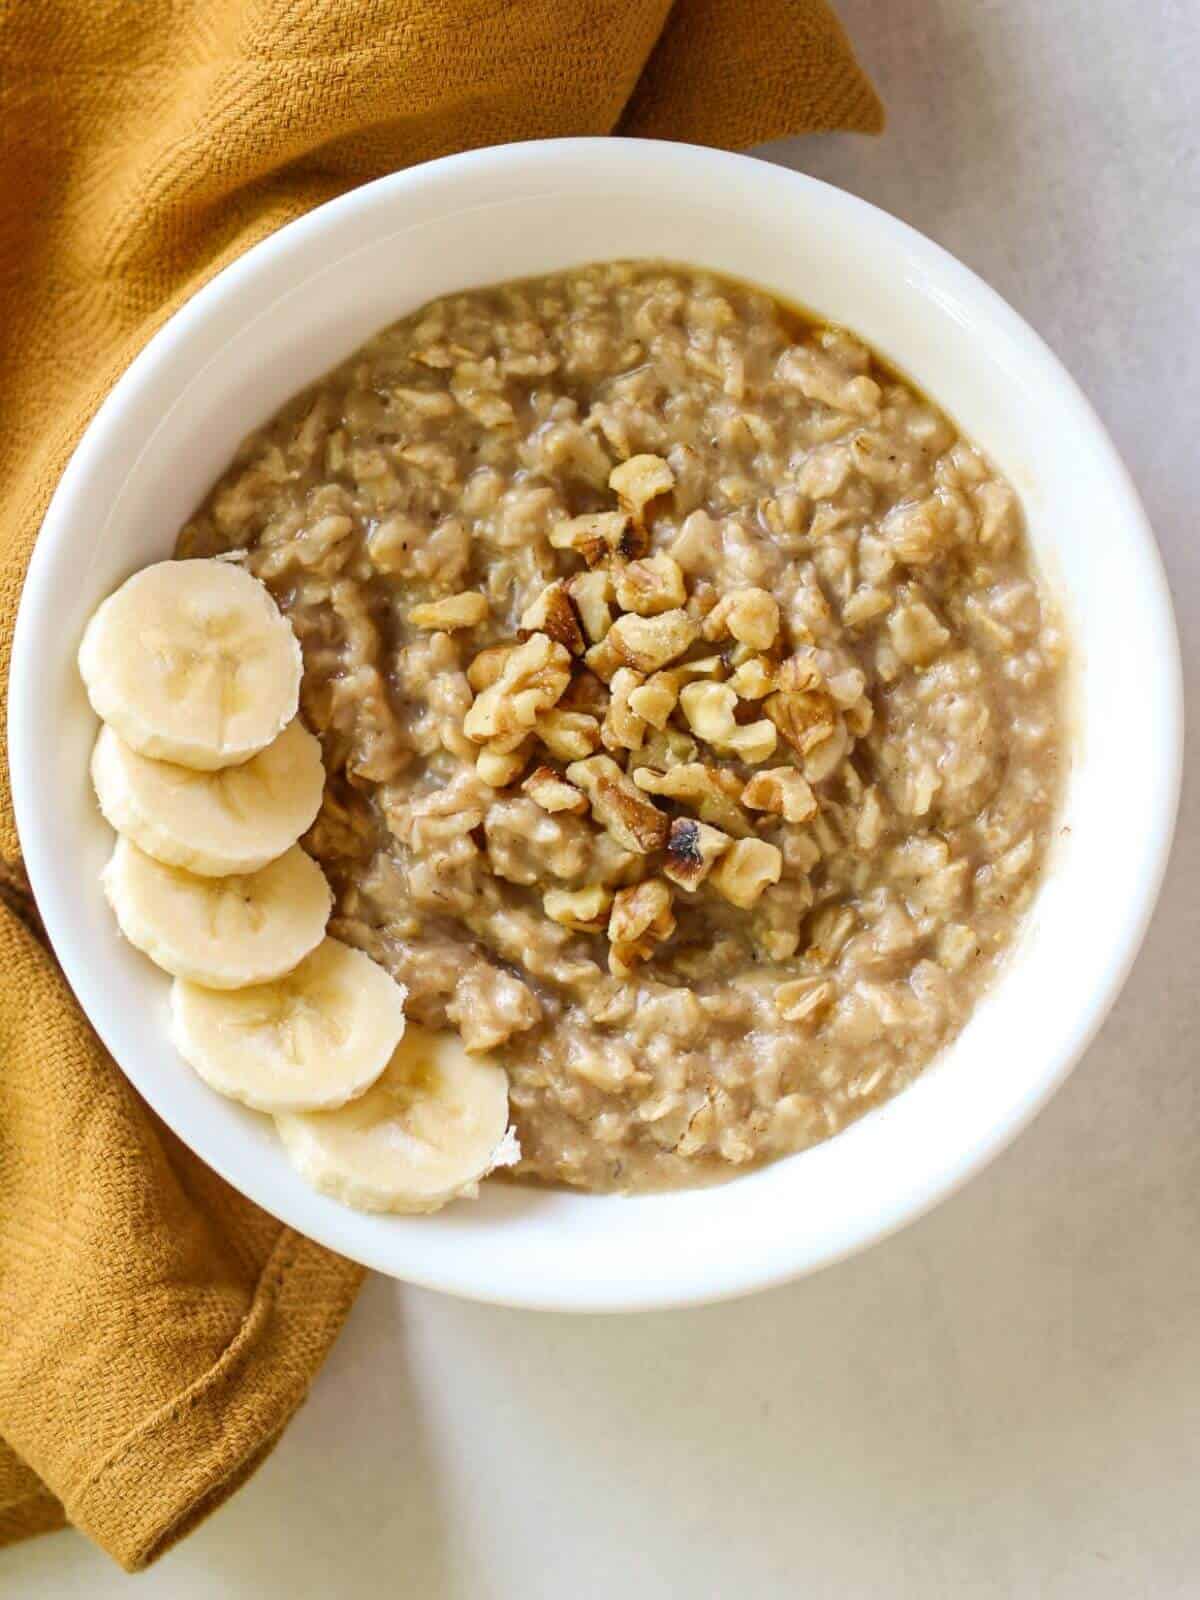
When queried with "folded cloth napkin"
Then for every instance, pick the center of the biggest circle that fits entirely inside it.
(157, 1331)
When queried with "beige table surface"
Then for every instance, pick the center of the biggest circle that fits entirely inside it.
(1004, 1400)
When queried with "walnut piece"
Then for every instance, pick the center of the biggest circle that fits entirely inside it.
(598, 535)
(650, 586)
(464, 610)
(752, 742)
(654, 701)
(553, 614)
(499, 766)
(750, 615)
(592, 593)
(647, 643)
(603, 659)
(620, 806)
(756, 678)
(530, 682)
(637, 481)
(805, 720)
(783, 791)
(693, 849)
(488, 665)
(622, 728)
(659, 695)
(641, 917)
(745, 870)
(569, 735)
(711, 791)
(709, 709)
(553, 793)
(584, 910)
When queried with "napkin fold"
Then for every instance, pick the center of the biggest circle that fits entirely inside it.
(157, 1330)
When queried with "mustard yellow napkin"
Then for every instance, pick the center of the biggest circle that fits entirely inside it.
(157, 1331)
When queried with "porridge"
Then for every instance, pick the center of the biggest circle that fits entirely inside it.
(690, 711)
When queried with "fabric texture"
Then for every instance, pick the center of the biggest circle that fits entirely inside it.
(157, 1331)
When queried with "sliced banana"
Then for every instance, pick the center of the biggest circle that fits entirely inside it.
(224, 933)
(212, 823)
(192, 662)
(305, 1042)
(426, 1132)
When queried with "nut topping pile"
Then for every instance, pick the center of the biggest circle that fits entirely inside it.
(683, 691)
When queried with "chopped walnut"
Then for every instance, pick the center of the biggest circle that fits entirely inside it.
(709, 709)
(693, 849)
(659, 695)
(666, 748)
(622, 728)
(637, 481)
(569, 735)
(600, 534)
(464, 610)
(603, 659)
(499, 766)
(530, 682)
(711, 791)
(654, 701)
(592, 593)
(805, 720)
(553, 793)
(745, 870)
(619, 805)
(650, 586)
(584, 910)
(781, 790)
(756, 678)
(488, 665)
(553, 614)
(751, 616)
(641, 917)
(647, 643)
(635, 910)
(752, 742)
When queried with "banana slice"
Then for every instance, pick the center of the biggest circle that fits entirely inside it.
(192, 662)
(224, 933)
(305, 1042)
(212, 823)
(426, 1132)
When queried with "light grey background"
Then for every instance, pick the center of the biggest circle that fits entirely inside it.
(1004, 1400)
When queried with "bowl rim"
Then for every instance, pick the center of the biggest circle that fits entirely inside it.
(329, 221)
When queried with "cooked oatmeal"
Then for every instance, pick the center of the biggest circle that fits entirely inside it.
(691, 714)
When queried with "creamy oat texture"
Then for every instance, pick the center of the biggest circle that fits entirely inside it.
(410, 510)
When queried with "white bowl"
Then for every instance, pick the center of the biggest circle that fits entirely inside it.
(297, 303)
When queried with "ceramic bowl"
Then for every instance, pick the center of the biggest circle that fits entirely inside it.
(290, 309)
